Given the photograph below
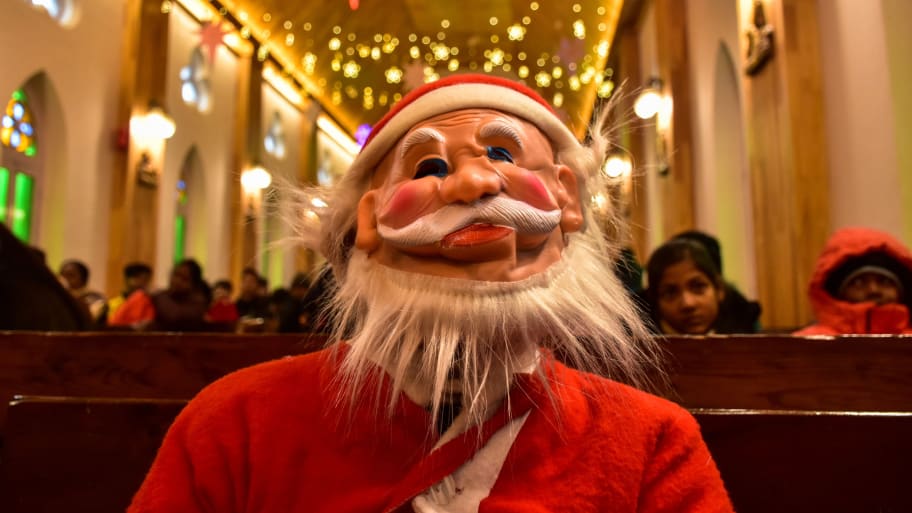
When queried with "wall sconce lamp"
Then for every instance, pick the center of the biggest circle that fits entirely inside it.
(156, 124)
(649, 102)
(652, 103)
(253, 181)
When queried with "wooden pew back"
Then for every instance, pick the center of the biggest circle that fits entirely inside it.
(153, 365)
(802, 461)
(852, 373)
(79, 455)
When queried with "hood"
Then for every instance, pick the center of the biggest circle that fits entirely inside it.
(846, 244)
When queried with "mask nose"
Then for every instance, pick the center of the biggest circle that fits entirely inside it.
(472, 180)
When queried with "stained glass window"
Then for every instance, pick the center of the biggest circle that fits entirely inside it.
(195, 87)
(21, 225)
(180, 222)
(61, 10)
(274, 142)
(4, 192)
(16, 128)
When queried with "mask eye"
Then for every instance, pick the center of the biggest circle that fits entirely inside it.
(431, 167)
(498, 153)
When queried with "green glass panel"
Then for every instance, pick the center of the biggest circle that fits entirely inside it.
(22, 206)
(180, 237)
(4, 192)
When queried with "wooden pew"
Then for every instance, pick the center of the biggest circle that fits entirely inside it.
(806, 461)
(851, 373)
(83, 455)
(153, 365)
(79, 455)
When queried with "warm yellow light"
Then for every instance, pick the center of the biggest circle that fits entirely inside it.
(336, 65)
(318, 203)
(488, 66)
(574, 83)
(602, 48)
(648, 102)
(415, 52)
(445, 23)
(493, 20)
(154, 125)
(558, 100)
(605, 89)
(337, 30)
(557, 72)
(453, 65)
(542, 79)
(516, 32)
(393, 75)
(375, 53)
(617, 165)
(255, 179)
(579, 29)
(441, 52)
(497, 56)
(576, 8)
(289, 40)
(309, 61)
(287, 25)
(335, 44)
(523, 71)
(262, 53)
(533, 6)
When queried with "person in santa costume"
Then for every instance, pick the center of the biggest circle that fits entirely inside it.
(467, 262)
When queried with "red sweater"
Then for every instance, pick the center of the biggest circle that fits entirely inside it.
(270, 438)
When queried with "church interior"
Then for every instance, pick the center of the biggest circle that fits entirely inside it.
(156, 131)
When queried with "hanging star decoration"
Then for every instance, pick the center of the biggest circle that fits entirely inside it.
(211, 38)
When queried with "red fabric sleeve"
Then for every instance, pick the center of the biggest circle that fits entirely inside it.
(681, 475)
(136, 309)
(202, 464)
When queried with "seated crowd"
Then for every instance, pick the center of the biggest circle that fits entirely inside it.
(858, 286)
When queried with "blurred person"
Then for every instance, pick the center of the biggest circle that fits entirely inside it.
(290, 311)
(31, 295)
(133, 307)
(75, 277)
(861, 284)
(183, 305)
(222, 311)
(251, 301)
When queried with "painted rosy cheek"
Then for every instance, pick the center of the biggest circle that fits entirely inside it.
(529, 188)
(410, 201)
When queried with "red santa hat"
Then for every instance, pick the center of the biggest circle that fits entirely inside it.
(458, 92)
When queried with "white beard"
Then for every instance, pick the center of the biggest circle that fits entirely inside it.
(416, 327)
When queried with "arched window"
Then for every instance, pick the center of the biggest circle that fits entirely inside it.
(195, 87)
(63, 11)
(16, 129)
(17, 187)
(180, 221)
(274, 142)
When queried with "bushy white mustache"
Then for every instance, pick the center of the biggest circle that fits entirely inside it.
(496, 210)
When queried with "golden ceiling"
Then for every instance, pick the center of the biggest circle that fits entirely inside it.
(358, 57)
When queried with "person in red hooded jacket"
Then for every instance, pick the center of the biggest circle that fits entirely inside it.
(861, 284)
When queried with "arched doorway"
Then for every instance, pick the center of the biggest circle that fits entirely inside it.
(734, 225)
(190, 215)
